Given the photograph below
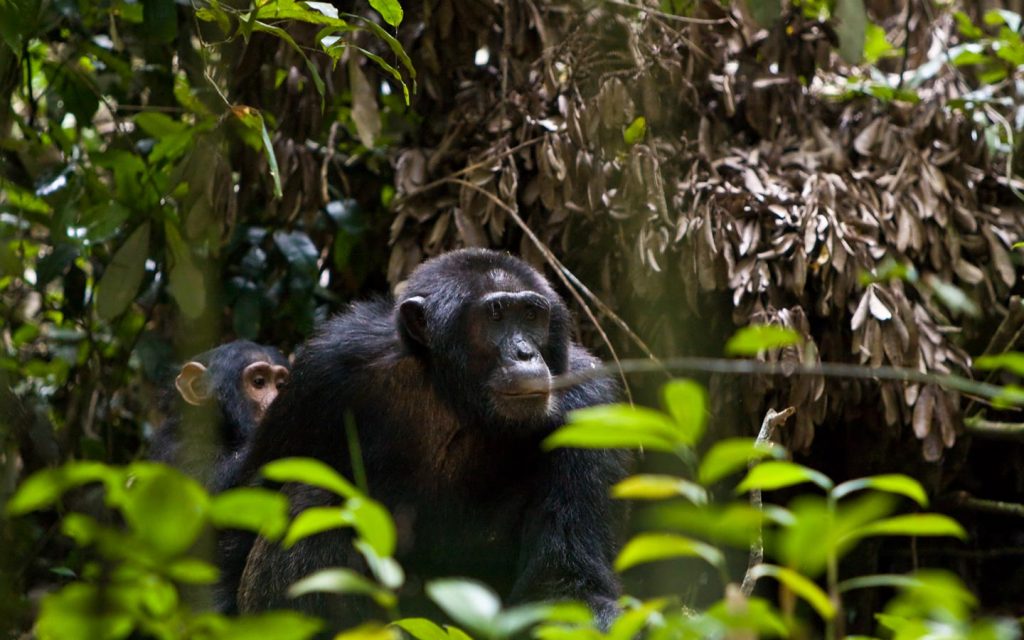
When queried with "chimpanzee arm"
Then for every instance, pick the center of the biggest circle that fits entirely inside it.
(569, 538)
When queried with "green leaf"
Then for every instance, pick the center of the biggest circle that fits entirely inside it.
(390, 10)
(953, 297)
(370, 631)
(309, 471)
(341, 581)
(636, 131)
(258, 510)
(253, 121)
(852, 24)
(316, 520)
(469, 603)
(1012, 361)
(889, 483)
(192, 571)
(877, 47)
(895, 581)
(421, 629)
(650, 547)
(728, 456)
(165, 508)
(187, 285)
(123, 276)
(43, 488)
(374, 524)
(768, 476)
(914, 524)
(597, 436)
(279, 625)
(799, 585)
(659, 487)
(384, 569)
(686, 402)
(748, 341)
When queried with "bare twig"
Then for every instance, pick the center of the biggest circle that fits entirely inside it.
(979, 427)
(964, 500)
(667, 16)
(754, 367)
(772, 420)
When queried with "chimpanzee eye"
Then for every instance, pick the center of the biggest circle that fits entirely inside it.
(495, 311)
(259, 382)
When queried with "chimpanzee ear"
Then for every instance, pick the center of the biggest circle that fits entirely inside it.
(413, 319)
(191, 384)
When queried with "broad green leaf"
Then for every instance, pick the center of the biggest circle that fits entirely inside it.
(71, 614)
(159, 125)
(383, 64)
(469, 603)
(877, 47)
(187, 285)
(374, 524)
(43, 488)
(627, 417)
(384, 569)
(192, 571)
(279, 625)
(659, 487)
(605, 437)
(772, 475)
(421, 629)
(257, 134)
(370, 631)
(258, 510)
(757, 617)
(1012, 361)
(123, 276)
(799, 585)
(315, 520)
(686, 402)
(512, 623)
(650, 547)
(636, 131)
(165, 508)
(390, 10)
(733, 454)
(631, 623)
(852, 22)
(890, 483)
(914, 524)
(340, 580)
(896, 581)
(309, 471)
(748, 341)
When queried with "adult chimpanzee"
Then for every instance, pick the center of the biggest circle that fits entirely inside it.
(450, 389)
(219, 398)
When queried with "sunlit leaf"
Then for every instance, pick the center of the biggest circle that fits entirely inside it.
(799, 585)
(309, 471)
(636, 131)
(686, 402)
(650, 547)
(192, 571)
(890, 483)
(315, 520)
(340, 580)
(772, 475)
(43, 488)
(123, 276)
(390, 10)
(421, 629)
(728, 456)
(258, 510)
(165, 508)
(279, 625)
(1012, 361)
(748, 341)
(914, 524)
(469, 603)
(659, 487)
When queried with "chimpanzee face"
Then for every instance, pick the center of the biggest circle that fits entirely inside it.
(261, 382)
(508, 336)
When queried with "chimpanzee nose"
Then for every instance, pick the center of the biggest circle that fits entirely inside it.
(524, 351)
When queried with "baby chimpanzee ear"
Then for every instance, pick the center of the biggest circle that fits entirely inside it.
(413, 320)
(192, 384)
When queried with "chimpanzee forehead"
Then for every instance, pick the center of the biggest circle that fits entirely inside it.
(502, 280)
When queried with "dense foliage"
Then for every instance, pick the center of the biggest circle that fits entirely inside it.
(176, 174)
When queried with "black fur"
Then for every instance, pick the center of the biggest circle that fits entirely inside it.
(461, 468)
(206, 441)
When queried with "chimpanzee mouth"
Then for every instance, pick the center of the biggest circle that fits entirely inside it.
(525, 389)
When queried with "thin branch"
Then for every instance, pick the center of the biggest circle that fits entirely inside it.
(667, 16)
(755, 367)
(964, 500)
(772, 419)
(982, 428)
